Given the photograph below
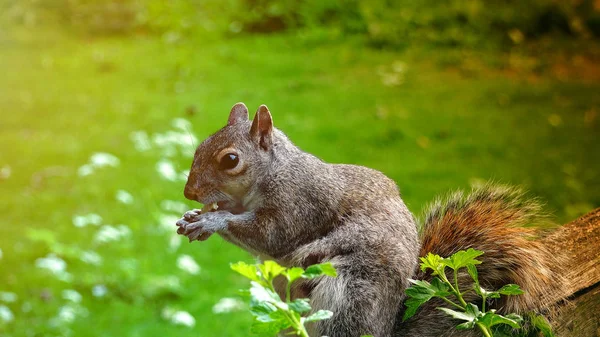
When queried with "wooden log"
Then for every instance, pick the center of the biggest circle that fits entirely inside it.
(579, 304)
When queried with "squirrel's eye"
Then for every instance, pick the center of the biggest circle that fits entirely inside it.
(229, 161)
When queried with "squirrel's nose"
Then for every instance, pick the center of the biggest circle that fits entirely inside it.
(189, 194)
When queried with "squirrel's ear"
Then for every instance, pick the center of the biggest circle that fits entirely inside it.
(239, 113)
(262, 127)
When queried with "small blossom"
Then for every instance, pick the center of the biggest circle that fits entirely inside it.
(88, 219)
(99, 290)
(173, 206)
(54, 264)
(108, 233)
(98, 160)
(85, 170)
(5, 314)
(181, 124)
(140, 140)
(91, 257)
(8, 297)
(172, 142)
(227, 304)
(188, 264)
(174, 242)
(71, 295)
(68, 314)
(102, 159)
(179, 317)
(167, 170)
(167, 221)
(124, 197)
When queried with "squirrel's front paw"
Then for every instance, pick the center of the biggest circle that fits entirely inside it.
(201, 226)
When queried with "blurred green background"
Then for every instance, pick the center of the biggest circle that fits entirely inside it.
(102, 103)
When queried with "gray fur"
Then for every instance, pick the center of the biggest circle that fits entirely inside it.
(304, 211)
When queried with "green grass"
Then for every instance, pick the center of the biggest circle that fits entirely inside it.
(445, 125)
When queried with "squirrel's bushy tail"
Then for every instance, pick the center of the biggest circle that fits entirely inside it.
(504, 225)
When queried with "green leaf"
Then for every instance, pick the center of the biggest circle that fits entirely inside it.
(317, 270)
(249, 271)
(265, 329)
(463, 316)
(472, 309)
(541, 323)
(463, 258)
(474, 275)
(433, 262)
(270, 270)
(293, 274)
(490, 319)
(259, 309)
(466, 325)
(299, 305)
(412, 304)
(319, 316)
(421, 292)
(511, 289)
(516, 318)
(440, 287)
(259, 293)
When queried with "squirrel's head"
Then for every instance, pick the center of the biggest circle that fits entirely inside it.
(227, 164)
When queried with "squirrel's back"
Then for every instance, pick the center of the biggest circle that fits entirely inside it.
(504, 225)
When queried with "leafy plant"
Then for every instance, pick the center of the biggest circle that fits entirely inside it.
(272, 313)
(441, 287)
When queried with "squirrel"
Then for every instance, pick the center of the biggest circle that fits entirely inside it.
(265, 195)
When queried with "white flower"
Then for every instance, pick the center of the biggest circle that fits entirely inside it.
(68, 314)
(8, 297)
(54, 264)
(99, 290)
(174, 242)
(91, 257)
(88, 219)
(102, 159)
(227, 304)
(85, 170)
(140, 140)
(181, 124)
(167, 170)
(171, 142)
(188, 264)
(183, 318)
(108, 233)
(97, 160)
(5, 314)
(179, 317)
(167, 221)
(124, 197)
(173, 206)
(71, 295)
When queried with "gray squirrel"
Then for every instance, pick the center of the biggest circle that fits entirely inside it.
(265, 195)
